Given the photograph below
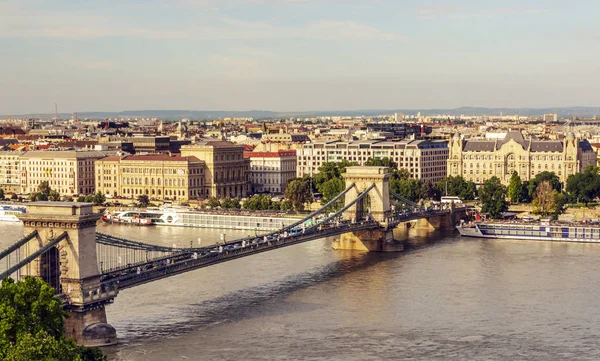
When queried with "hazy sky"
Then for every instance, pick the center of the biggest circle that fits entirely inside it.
(291, 55)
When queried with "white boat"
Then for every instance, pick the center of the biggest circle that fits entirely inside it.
(538, 231)
(9, 213)
(137, 218)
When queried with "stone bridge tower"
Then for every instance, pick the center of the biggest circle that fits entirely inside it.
(378, 203)
(377, 207)
(71, 267)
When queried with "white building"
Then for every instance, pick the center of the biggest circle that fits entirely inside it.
(271, 171)
(424, 159)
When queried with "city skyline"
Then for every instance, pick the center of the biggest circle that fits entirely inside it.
(296, 55)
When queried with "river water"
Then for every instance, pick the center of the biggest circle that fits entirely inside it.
(445, 298)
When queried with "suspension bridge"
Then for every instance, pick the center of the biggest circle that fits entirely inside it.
(89, 269)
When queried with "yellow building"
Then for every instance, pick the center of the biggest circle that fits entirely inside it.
(159, 176)
(477, 160)
(228, 172)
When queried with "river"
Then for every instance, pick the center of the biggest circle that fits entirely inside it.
(445, 298)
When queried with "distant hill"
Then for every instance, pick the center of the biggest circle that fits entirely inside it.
(264, 114)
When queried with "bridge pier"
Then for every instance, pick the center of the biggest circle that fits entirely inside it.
(444, 222)
(71, 267)
(371, 240)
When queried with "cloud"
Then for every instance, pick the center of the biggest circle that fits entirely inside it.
(447, 11)
(18, 23)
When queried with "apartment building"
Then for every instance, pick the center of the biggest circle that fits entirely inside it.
(424, 159)
(159, 176)
(68, 172)
(271, 171)
(10, 173)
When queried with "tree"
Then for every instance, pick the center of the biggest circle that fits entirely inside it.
(143, 200)
(44, 188)
(456, 186)
(584, 186)
(213, 202)
(382, 162)
(515, 188)
(32, 325)
(544, 202)
(493, 197)
(299, 193)
(14, 196)
(54, 196)
(1, 193)
(81, 199)
(98, 198)
(286, 205)
(539, 178)
(330, 170)
(331, 189)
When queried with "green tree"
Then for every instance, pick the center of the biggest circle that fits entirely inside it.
(382, 162)
(14, 196)
(213, 202)
(584, 187)
(32, 324)
(539, 178)
(98, 198)
(235, 203)
(81, 199)
(54, 196)
(544, 202)
(143, 200)
(331, 189)
(515, 188)
(286, 205)
(330, 170)
(457, 187)
(299, 193)
(1, 193)
(44, 188)
(493, 197)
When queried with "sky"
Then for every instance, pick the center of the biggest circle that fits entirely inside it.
(296, 55)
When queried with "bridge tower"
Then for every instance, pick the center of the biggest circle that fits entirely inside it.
(375, 206)
(71, 267)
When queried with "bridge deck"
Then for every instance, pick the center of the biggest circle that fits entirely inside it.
(184, 261)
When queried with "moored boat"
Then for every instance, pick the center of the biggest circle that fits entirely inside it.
(538, 231)
(10, 213)
(128, 217)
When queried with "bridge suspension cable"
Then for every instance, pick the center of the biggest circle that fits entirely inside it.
(346, 207)
(319, 211)
(33, 256)
(403, 199)
(17, 244)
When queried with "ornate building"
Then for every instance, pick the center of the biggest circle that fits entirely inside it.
(477, 160)
(159, 176)
(227, 171)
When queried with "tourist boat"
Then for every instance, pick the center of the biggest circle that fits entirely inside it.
(9, 213)
(540, 231)
(128, 217)
(187, 217)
